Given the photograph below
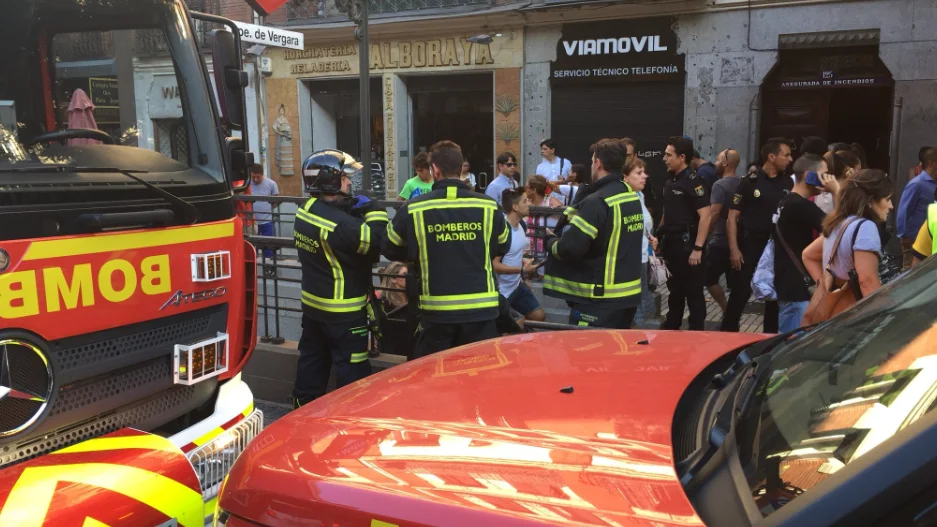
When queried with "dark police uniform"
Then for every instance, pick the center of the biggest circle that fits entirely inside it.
(596, 264)
(337, 251)
(684, 194)
(756, 200)
(450, 235)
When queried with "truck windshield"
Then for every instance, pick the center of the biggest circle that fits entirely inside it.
(104, 84)
(851, 384)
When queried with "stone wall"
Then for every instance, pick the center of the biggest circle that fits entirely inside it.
(727, 61)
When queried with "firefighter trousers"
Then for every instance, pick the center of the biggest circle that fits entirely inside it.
(436, 337)
(324, 345)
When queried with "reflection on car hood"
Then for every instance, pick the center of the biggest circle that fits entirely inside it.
(483, 435)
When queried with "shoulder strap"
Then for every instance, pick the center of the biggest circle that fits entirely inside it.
(855, 236)
(839, 238)
(790, 253)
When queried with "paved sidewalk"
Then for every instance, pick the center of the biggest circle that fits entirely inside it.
(752, 318)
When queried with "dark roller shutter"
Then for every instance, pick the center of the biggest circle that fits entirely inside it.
(648, 112)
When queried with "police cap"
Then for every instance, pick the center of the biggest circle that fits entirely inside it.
(323, 171)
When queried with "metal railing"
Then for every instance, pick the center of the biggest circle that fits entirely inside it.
(280, 274)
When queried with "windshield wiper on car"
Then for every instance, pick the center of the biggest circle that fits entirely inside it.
(739, 388)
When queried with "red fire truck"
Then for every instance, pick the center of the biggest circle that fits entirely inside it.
(127, 290)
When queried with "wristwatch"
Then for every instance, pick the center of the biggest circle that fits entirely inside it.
(697, 248)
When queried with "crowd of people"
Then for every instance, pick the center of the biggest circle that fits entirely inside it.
(807, 231)
(715, 224)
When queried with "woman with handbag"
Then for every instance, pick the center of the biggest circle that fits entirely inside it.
(844, 261)
(636, 178)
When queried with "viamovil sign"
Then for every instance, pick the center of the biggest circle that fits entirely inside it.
(620, 50)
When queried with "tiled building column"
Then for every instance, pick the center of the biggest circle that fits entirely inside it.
(507, 112)
(283, 91)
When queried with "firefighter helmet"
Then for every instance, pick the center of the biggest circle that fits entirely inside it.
(323, 171)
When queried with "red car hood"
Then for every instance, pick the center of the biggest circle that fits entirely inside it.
(486, 435)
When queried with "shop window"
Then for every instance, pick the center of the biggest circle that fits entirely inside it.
(171, 138)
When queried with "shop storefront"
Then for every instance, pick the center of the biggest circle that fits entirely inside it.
(455, 87)
(859, 72)
(615, 79)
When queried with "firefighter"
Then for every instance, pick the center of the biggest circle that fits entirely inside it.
(450, 234)
(338, 238)
(596, 264)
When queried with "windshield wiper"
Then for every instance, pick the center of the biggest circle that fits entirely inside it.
(752, 352)
(739, 390)
(190, 211)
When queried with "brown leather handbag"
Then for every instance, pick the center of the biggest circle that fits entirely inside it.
(833, 296)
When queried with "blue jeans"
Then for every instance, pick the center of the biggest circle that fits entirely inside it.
(792, 313)
(266, 229)
(647, 307)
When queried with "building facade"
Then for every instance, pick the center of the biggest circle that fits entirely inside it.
(852, 71)
(427, 84)
(496, 76)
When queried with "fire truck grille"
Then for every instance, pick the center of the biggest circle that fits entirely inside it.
(16, 412)
(155, 374)
(149, 414)
(128, 345)
(112, 379)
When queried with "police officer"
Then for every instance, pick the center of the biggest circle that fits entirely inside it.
(338, 239)
(451, 234)
(683, 231)
(596, 264)
(755, 203)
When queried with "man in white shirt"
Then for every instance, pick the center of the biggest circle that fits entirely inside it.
(507, 168)
(555, 169)
(512, 267)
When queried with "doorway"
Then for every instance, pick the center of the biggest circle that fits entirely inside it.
(457, 108)
(842, 95)
(336, 117)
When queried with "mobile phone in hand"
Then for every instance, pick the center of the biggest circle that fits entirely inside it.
(813, 179)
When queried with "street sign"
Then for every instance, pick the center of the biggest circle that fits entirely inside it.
(271, 36)
(266, 7)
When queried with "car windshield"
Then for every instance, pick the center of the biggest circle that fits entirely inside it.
(846, 387)
(121, 72)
